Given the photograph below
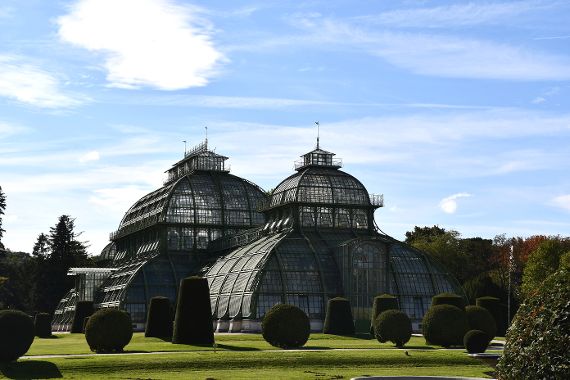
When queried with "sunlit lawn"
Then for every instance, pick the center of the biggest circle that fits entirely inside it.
(240, 356)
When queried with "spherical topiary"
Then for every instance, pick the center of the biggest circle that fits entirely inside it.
(193, 320)
(109, 330)
(444, 325)
(394, 326)
(480, 318)
(537, 342)
(380, 304)
(83, 309)
(286, 326)
(448, 299)
(42, 325)
(338, 319)
(16, 334)
(476, 341)
(159, 318)
(493, 305)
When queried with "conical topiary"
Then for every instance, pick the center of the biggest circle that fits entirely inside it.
(83, 309)
(338, 320)
(193, 320)
(382, 303)
(42, 325)
(159, 318)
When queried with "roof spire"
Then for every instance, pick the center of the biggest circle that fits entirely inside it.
(206, 137)
(318, 133)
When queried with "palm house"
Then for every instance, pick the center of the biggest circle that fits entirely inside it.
(313, 238)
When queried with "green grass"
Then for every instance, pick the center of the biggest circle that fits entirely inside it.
(242, 356)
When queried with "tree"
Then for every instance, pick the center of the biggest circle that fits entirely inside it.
(2, 210)
(542, 262)
(41, 246)
(424, 234)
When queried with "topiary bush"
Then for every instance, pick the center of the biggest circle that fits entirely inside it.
(537, 342)
(159, 318)
(380, 304)
(448, 299)
(42, 325)
(338, 319)
(394, 326)
(286, 326)
(493, 305)
(480, 318)
(16, 334)
(476, 341)
(83, 309)
(444, 325)
(109, 330)
(193, 320)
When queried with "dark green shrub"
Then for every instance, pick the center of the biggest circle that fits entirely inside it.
(109, 330)
(476, 341)
(448, 299)
(498, 311)
(479, 318)
(394, 326)
(159, 318)
(538, 340)
(286, 326)
(83, 309)
(42, 325)
(380, 304)
(444, 325)
(16, 334)
(339, 320)
(193, 320)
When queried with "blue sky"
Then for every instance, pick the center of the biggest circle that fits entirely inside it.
(458, 112)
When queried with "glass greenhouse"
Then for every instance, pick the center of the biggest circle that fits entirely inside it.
(312, 239)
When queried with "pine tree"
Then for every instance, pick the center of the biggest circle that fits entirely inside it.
(2, 209)
(41, 246)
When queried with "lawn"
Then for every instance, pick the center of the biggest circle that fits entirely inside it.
(240, 356)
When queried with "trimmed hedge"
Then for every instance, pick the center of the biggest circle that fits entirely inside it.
(394, 326)
(479, 318)
(497, 310)
(193, 320)
(159, 318)
(338, 320)
(444, 325)
(380, 304)
(83, 309)
(109, 330)
(42, 325)
(16, 334)
(448, 299)
(286, 326)
(476, 341)
(537, 342)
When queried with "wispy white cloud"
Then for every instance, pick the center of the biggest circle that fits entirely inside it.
(9, 129)
(538, 100)
(462, 14)
(90, 156)
(156, 43)
(562, 201)
(552, 38)
(28, 83)
(449, 204)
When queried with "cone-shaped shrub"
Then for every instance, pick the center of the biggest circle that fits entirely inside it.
(42, 325)
(380, 304)
(193, 320)
(159, 318)
(16, 334)
(83, 309)
(109, 330)
(493, 305)
(393, 326)
(286, 326)
(444, 325)
(338, 320)
(476, 341)
(448, 299)
(479, 318)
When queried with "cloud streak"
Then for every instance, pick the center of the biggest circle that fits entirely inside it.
(449, 204)
(155, 43)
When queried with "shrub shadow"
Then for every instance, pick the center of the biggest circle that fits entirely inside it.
(30, 369)
(235, 348)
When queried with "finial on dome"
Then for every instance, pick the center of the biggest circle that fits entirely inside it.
(318, 133)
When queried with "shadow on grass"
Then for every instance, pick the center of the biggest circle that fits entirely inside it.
(47, 337)
(30, 369)
(235, 348)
